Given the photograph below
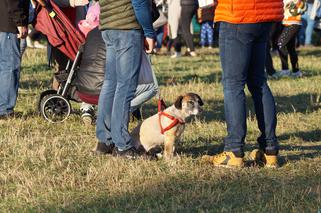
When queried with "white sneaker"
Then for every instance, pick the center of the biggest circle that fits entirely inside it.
(193, 54)
(87, 113)
(297, 74)
(276, 75)
(37, 45)
(176, 55)
(285, 73)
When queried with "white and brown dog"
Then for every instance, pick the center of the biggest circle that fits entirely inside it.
(166, 126)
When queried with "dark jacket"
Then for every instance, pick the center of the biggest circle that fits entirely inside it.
(13, 13)
(189, 2)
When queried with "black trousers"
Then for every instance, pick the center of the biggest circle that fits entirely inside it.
(286, 44)
(187, 14)
(275, 32)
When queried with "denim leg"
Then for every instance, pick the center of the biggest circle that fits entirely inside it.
(309, 27)
(106, 97)
(263, 99)
(9, 71)
(159, 37)
(143, 93)
(235, 58)
(128, 62)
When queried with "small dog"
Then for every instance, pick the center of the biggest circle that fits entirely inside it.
(166, 126)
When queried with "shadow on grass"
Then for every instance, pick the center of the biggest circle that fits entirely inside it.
(311, 52)
(307, 151)
(312, 136)
(214, 77)
(212, 191)
(214, 109)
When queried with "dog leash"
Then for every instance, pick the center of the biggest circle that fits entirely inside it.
(161, 106)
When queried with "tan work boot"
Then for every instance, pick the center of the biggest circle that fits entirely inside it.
(225, 159)
(261, 158)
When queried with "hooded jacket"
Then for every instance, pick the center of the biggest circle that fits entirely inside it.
(13, 13)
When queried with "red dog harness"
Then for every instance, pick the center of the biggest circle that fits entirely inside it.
(161, 107)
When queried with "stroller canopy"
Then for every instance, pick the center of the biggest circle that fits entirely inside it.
(53, 23)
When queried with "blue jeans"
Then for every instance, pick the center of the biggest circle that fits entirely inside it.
(121, 77)
(159, 37)
(306, 31)
(242, 52)
(9, 71)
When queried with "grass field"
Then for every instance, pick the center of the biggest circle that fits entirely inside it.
(49, 167)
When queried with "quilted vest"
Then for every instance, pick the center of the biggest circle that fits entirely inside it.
(117, 15)
(249, 11)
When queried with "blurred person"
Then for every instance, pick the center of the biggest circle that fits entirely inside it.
(13, 26)
(124, 38)
(174, 18)
(244, 33)
(205, 16)
(159, 38)
(159, 24)
(187, 12)
(305, 34)
(32, 41)
(207, 34)
(293, 9)
(271, 45)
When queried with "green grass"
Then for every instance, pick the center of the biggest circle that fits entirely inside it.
(49, 167)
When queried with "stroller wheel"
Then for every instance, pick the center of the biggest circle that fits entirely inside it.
(55, 108)
(43, 95)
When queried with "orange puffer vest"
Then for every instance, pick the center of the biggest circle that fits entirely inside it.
(249, 11)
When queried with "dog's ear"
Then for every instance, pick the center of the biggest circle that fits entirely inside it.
(200, 101)
(178, 102)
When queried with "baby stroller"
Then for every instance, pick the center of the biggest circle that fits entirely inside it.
(83, 77)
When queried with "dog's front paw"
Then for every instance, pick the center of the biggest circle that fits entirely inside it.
(159, 156)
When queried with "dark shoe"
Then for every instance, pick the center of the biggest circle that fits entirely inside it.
(130, 154)
(104, 149)
(136, 115)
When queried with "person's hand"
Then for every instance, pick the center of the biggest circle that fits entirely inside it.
(149, 45)
(76, 3)
(22, 32)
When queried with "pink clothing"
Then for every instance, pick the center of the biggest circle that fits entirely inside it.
(92, 19)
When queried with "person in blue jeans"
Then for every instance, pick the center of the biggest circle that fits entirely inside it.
(13, 26)
(305, 35)
(124, 24)
(243, 39)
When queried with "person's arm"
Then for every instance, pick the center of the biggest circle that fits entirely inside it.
(142, 9)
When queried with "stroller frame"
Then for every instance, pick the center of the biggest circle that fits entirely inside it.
(53, 105)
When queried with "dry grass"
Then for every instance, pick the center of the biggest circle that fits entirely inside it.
(49, 168)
